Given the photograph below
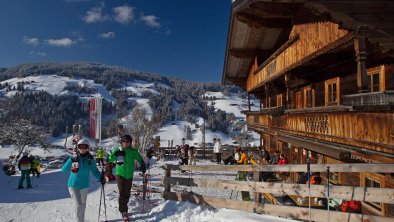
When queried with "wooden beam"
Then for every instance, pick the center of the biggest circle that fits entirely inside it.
(270, 209)
(249, 52)
(366, 194)
(316, 215)
(345, 168)
(361, 56)
(255, 21)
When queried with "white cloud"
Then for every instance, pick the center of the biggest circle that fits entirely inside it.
(123, 14)
(150, 20)
(95, 15)
(64, 42)
(108, 35)
(31, 41)
(37, 53)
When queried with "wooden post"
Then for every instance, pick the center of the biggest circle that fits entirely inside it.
(288, 91)
(361, 55)
(248, 102)
(167, 176)
(257, 177)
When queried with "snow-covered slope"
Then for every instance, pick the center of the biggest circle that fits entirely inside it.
(49, 199)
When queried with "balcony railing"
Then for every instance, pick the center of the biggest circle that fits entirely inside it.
(370, 99)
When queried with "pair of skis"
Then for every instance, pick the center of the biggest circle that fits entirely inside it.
(76, 136)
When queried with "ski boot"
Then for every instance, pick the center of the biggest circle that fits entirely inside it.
(20, 187)
(125, 217)
(28, 187)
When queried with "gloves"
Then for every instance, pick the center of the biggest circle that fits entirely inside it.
(143, 168)
(119, 153)
(102, 180)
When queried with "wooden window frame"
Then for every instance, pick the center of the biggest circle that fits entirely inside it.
(312, 91)
(327, 84)
(380, 70)
(279, 100)
(378, 178)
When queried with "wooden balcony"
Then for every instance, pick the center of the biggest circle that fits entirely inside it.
(306, 41)
(367, 130)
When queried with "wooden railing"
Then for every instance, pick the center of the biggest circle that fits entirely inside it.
(382, 195)
(374, 131)
(370, 99)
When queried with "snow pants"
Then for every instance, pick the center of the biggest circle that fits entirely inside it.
(192, 160)
(218, 158)
(124, 186)
(25, 174)
(79, 198)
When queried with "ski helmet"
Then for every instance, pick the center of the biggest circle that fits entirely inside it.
(25, 153)
(126, 138)
(84, 141)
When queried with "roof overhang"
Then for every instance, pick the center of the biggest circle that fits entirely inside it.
(257, 28)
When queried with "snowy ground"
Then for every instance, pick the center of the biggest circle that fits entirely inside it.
(49, 200)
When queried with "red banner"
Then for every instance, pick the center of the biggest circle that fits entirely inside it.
(93, 116)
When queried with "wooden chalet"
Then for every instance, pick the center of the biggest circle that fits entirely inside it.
(323, 71)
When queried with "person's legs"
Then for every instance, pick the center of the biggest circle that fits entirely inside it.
(23, 175)
(28, 179)
(220, 158)
(79, 199)
(124, 187)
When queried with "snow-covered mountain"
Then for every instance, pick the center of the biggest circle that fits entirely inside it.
(141, 91)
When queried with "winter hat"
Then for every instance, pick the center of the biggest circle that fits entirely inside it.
(126, 138)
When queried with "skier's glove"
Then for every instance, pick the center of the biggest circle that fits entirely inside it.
(120, 153)
(102, 180)
(143, 168)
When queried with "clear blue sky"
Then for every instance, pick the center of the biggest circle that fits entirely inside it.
(179, 38)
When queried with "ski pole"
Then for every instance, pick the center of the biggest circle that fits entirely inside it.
(308, 163)
(328, 193)
(101, 196)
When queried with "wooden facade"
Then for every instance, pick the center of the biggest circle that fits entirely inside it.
(326, 87)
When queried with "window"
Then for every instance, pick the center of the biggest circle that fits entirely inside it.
(332, 92)
(279, 100)
(298, 100)
(376, 79)
(309, 97)
(376, 181)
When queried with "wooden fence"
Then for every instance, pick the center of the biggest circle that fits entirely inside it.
(365, 194)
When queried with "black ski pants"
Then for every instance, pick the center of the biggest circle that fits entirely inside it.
(124, 187)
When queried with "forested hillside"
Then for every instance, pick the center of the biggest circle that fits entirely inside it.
(23, 96)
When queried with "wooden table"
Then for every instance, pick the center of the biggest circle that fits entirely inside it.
(304, 201)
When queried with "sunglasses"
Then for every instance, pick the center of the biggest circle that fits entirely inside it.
(83, 147)
(125, 141)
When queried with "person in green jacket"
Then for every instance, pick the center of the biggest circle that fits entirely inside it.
(125, 155)
(100, 157)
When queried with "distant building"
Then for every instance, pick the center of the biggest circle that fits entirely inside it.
(324, 74)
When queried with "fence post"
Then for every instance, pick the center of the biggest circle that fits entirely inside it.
(257, 177)
(167, 176)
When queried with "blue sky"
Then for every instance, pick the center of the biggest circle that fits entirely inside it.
(179, 38)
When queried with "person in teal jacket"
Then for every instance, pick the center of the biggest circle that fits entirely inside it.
(78, 182)
(125, 155)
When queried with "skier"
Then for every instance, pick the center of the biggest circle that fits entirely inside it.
(100, 157)
(78, 182)
(125, 155)
(217, 149)
(35, 166)
(24, 165)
